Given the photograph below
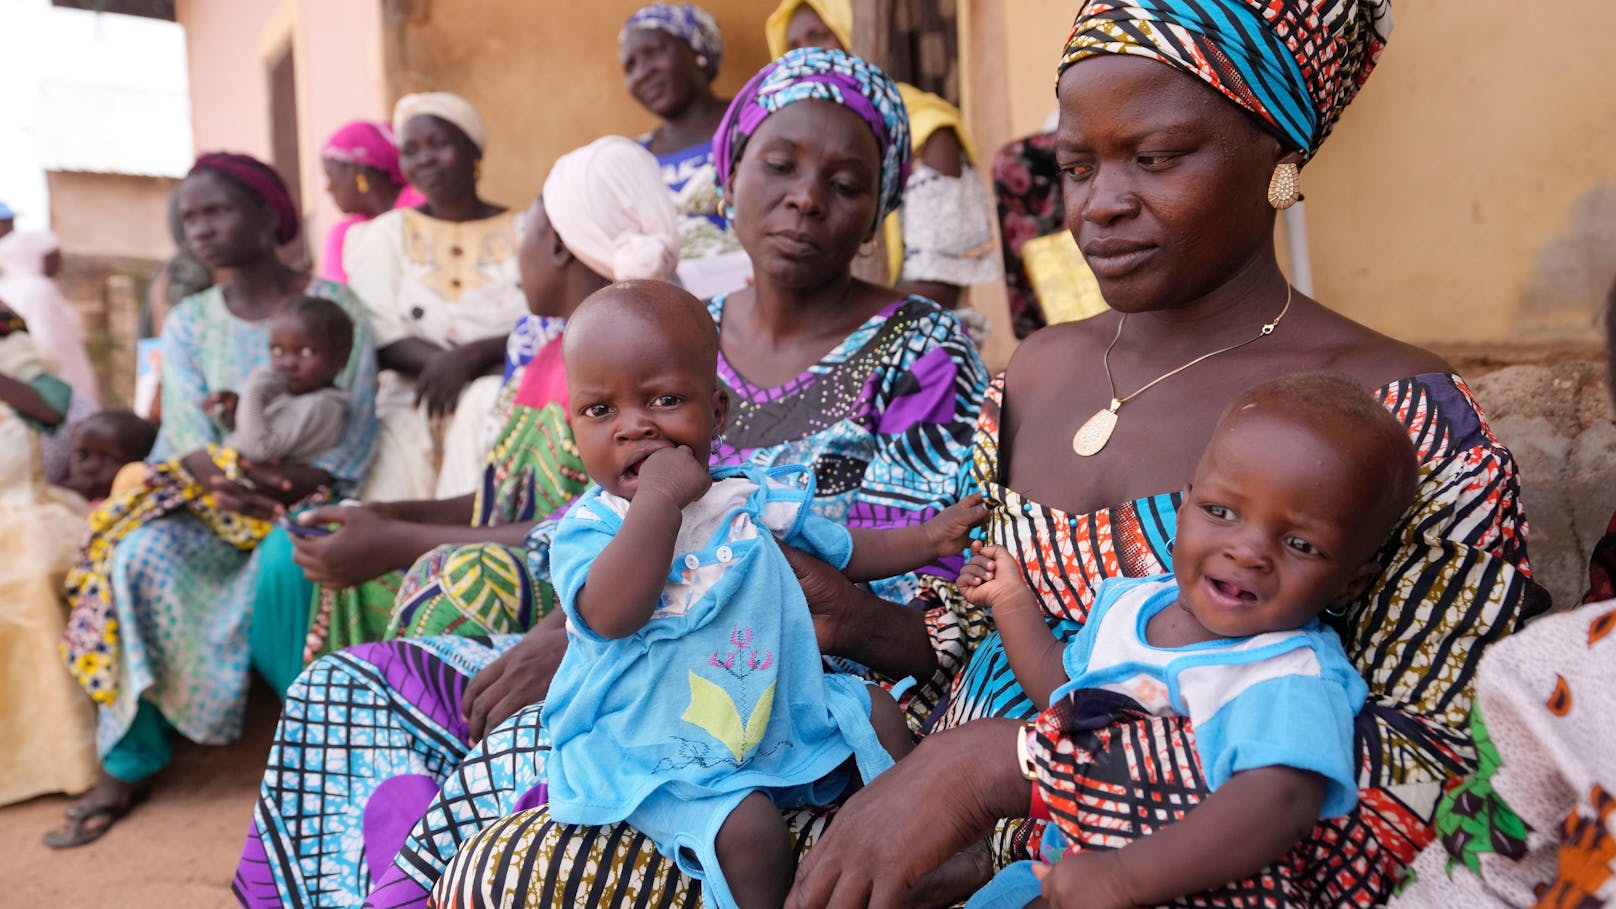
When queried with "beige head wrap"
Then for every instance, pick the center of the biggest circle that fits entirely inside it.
(608, 203)
(445, 106)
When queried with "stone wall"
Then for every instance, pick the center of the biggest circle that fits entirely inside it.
(1552, 408)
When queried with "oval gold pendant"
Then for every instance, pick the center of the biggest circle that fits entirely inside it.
(1092, 435)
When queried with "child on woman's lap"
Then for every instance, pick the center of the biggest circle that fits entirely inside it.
(693, 701)
(1304, 478)
(292, 410)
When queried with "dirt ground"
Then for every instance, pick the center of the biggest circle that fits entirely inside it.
(177, 849)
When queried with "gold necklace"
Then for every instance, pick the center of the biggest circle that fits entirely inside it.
(1096, 431)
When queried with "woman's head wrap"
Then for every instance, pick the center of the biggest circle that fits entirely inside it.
(820, 74)
(1294, 64)
(836, 14)
(261, 182)
(446, 106)
(610, 207)
(686, 21)
(367, 144)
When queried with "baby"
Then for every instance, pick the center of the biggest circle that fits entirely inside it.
(103, 443)
(1304, 478)
(291, 410)
(692, 700)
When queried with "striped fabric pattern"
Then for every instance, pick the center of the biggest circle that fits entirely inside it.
(1294, 64)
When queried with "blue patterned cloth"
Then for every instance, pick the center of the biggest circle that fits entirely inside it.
(820, 74)
(686, 21)
(635, 741)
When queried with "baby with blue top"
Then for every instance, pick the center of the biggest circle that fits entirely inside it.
(1302, 482)
(693, 702)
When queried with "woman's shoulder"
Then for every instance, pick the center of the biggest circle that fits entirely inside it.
(1052, 350)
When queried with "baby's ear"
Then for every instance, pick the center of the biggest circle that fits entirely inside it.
(1360, 582)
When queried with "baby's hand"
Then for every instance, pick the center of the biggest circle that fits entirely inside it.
(675, 474)
(221, 405)
(1084, 880)
(992, 579)
(950, 531)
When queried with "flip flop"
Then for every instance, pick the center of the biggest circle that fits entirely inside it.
(79, 830)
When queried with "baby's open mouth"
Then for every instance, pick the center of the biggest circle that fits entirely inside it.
(1233, 591)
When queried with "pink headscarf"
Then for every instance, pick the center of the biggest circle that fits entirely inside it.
(366, 143)
(262, 182)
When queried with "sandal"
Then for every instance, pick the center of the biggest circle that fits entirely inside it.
(82, 828)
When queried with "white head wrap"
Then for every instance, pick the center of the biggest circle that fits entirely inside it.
(445, 106)
(608, 203)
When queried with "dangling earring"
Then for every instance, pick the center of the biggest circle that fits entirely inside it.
(701, 61)
(1285, 187)
(477, 171)
(362, 183)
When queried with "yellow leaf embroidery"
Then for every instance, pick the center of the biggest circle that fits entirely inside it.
(714, 710)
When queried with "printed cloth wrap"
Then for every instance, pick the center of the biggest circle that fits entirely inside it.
(1294, 64)
(819, 74)
(686, 21)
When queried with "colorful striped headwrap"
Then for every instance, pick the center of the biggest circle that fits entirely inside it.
(820, 74)
(686, 21)
(1294, 64)
(261, 182)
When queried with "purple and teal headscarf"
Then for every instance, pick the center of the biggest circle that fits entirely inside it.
(820, 74)
(686, 21)
(1294, 64)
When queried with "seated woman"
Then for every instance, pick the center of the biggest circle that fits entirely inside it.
(670, 54)
(874, 391)
(439, 284)
(440, 566)
(49, 741)
(169, 652)
(1171, 187)
(942, 238)
(363, 178)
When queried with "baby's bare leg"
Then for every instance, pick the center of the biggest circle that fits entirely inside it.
(890, 727)
(754, 852)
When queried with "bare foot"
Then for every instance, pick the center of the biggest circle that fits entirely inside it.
(954, 880)
(94, 812)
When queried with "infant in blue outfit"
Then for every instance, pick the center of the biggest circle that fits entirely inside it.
(693, 702)
(1303, 480)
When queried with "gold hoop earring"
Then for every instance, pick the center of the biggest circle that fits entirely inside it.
(1285, 187)
(362, 183)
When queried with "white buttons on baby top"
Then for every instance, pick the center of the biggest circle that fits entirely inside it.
(692, 562)
(725, 554)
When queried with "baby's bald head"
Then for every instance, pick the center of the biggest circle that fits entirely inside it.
(624, 315)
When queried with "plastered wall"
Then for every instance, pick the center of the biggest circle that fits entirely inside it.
(544, 73)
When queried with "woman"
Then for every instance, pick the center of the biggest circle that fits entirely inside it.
(1086, 443)
(874, 391)
(49, 744)
(362, 176)
(181, 588)
(670, 54)
(942, 238)
(29, 261)
(456, 565)
(440, 286)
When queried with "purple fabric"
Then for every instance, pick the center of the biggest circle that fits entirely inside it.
(253, 885)
(932, 400)
(438, 694)
(393, 809)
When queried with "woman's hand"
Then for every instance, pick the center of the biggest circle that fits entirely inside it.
(287, 483)
(365, 546)
(519, 677)
(901, 826)
(228, 494)
(852, 622)
(830, 598)
(221, 406)
(444, 377)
